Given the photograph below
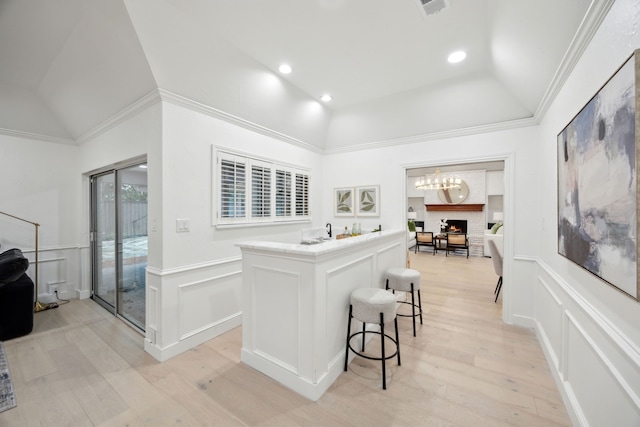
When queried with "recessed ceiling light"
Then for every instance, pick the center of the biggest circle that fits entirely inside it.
(326, 97)
(457, 56)
(285, 68)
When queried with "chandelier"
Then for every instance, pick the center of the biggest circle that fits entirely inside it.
(438, 182)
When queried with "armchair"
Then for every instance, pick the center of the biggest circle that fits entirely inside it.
(497, 239)
(425, 238)
(457, 241)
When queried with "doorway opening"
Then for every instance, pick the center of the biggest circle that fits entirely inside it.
(119, 245)
(494, 198)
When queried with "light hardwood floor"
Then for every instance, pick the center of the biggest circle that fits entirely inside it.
(82, 367)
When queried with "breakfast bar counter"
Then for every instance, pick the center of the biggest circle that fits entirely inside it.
(296, 303)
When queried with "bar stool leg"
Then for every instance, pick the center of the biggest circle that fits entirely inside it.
(397, 340)
(346, 356)
(413, 311)
(364, 328)
(420, 304)
(384, 368)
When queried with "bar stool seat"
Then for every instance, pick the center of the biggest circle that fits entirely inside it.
(373, 305)
(406, 280)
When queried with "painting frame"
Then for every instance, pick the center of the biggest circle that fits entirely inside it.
(343, 201)
(368, 200)
(598, 188)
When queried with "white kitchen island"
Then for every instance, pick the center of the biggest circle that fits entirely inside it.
(296, 303)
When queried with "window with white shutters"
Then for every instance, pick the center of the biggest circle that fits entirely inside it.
(283, 193)
(258, 191)
(302, 194)
(232, 189)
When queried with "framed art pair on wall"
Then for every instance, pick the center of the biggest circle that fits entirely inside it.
(357, 201)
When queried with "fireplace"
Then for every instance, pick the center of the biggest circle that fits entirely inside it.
(457, 226)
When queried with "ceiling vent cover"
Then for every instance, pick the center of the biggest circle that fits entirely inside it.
(430, 7)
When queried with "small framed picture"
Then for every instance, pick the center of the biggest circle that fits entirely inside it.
(368, 200)
(343, 201)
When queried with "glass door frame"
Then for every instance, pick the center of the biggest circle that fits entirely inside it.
(96, 258)
(118, 240)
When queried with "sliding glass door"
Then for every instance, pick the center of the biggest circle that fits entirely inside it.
(103, 237)
(119, 241)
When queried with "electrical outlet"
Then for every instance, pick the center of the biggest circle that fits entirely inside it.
(53, 289)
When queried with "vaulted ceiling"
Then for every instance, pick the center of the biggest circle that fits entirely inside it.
(69, 65)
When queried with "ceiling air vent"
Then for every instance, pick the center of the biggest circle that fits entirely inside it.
(429, 7)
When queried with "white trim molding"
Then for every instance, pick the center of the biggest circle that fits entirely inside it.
(589, 357)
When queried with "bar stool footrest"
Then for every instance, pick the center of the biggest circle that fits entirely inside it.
(410, 315)
(366, 356)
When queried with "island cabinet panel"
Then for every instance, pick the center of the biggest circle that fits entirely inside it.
(296, 303)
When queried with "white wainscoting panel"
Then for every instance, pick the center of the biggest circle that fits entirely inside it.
(549, 320)
(596, 367)
(591, 370)
(208, 301)
(341, 281)
(279, 292)
(194, 304)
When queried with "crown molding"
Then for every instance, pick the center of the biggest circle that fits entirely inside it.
(474, 130)
(180, 100)
(36, 136)
(141, 104)
(163, 95)
(596, 13)
(590, 24)
(588, 27)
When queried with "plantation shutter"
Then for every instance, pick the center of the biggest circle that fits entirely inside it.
(302, 194)
(283, 193)
(232, 188)
(260, 191)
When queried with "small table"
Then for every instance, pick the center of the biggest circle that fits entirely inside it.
(441, 241)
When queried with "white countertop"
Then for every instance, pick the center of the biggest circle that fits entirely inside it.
(323, 248)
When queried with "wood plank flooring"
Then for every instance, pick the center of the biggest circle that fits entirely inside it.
(82, 367)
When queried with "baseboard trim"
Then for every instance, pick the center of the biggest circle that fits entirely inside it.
(166, 353)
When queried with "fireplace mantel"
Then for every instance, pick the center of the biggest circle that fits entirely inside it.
(469, 207)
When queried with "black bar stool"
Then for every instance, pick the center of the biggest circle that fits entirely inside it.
(406, 280)
(373, 305)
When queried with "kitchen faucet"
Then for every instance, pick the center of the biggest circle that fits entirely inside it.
(329, 229)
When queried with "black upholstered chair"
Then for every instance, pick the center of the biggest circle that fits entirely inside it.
(457, 241)
(425, 238)
(16, 295)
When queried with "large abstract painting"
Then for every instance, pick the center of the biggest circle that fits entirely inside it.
(597, 190)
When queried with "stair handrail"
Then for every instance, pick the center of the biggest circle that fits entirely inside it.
(38, 306)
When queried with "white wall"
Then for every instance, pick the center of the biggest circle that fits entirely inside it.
(194, 288)
(387, 166)
(588, 329)
(40, 184)
(193, 278)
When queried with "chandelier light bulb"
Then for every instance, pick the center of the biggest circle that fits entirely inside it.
(438, 182)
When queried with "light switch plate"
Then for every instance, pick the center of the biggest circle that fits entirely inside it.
(182, 225)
